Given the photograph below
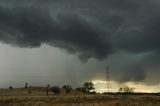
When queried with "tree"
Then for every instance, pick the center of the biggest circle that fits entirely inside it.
(68, 88)
(126, 89)
(56, 90)
(10, 87)
(47, 89)
(87, 87)
(26, 85)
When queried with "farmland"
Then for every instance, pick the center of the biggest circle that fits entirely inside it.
(38, 97)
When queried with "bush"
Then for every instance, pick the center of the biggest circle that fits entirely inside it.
(68, 88)
(10, 87)
(126, 90)
(56, 90)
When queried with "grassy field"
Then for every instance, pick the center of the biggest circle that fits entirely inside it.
(21, 97)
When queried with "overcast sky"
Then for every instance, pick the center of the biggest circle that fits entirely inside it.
(72, 41)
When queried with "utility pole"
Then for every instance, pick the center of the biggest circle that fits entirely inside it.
(107, 78)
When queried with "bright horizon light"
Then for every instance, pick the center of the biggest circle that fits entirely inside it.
(101, 86)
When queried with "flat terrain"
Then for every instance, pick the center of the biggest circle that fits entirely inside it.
(21, 97)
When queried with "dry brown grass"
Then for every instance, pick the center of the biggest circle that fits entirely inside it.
(20, 97)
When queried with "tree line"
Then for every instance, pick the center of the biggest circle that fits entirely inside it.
(86, 88)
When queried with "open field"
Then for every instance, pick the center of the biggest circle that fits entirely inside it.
(20, 97)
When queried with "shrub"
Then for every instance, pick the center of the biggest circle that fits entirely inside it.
(56, 90)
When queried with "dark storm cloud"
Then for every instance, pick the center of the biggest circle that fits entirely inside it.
(79, 27)
(31, 26)
(90, 28)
